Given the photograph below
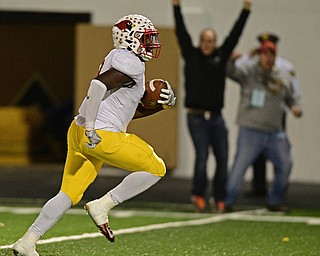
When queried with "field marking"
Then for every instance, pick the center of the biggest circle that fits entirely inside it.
(250, 215)
(116, 213)
(146, 228)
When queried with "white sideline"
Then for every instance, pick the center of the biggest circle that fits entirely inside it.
(116, 213)
(251, 215)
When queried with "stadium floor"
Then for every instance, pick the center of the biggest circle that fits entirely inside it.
(41, 182)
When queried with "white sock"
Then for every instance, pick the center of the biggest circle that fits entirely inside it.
(132, 185)
(51, 212)
(30, 237)
(107, 202)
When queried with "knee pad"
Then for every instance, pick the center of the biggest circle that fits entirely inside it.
(74, 197)
(161, 169)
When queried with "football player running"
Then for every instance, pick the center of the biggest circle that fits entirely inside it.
(98, 133)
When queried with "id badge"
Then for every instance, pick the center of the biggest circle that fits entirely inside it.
(258, 98)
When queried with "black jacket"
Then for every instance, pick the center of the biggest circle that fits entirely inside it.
(205, 75)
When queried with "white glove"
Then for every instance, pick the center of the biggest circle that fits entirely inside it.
(93, 137)
(167, 95)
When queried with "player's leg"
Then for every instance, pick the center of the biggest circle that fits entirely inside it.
(135, 155)
(51, 212)
(131, 154)
(79, 172)
(81, 167)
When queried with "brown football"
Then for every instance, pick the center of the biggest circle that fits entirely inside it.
(152, 93)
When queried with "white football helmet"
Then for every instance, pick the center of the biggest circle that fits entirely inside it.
(136, 33)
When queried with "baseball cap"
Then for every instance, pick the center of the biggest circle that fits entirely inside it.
(268, 37)
(268, 46)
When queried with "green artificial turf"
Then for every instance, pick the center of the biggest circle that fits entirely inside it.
(227, 237)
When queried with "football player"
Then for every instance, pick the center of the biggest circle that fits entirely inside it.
(98, 133)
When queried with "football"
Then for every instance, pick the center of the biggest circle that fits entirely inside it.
(152, 93)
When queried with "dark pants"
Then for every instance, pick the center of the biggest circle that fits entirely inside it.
(209, 134)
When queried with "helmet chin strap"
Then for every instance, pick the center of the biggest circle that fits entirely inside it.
(141, 56)
(145, 56)
(141, 59)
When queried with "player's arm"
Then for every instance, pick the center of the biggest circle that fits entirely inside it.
(113, 78)
(167, 99)
(107, 80)
(142, 112)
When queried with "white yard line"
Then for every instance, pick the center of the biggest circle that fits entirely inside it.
(116, 213)
(251, 215)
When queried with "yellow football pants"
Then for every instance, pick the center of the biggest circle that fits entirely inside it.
(119, 149)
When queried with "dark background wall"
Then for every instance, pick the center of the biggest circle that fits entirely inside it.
(36, 52)
(37, 69)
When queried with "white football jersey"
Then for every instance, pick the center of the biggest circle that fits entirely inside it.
(119, 106)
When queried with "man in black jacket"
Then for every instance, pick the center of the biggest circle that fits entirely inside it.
(205, 68)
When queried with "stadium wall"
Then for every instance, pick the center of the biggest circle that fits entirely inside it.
(297, 22)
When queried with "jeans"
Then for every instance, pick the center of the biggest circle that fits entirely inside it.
(259, 181)
(205, 134)
(276, 148)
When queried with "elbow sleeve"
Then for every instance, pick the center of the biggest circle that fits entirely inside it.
(95, 95)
